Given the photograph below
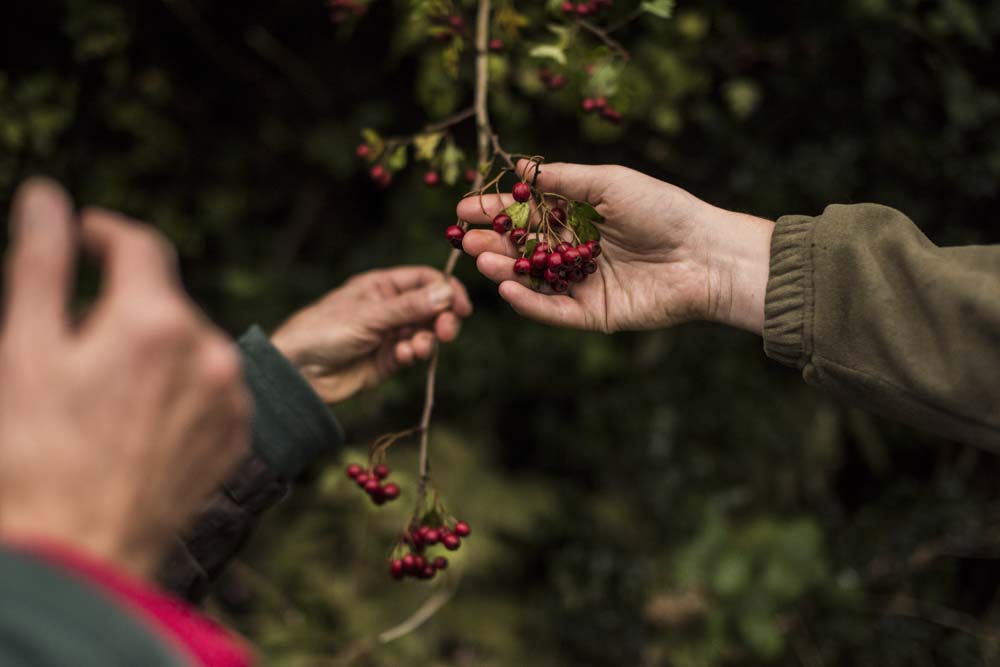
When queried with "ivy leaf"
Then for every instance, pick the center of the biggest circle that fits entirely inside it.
(518, 212)
(426, 145)
(662, 8)
(452, 159)
(397, 160)
(582, 217)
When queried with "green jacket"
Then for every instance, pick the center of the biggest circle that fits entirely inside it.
(870, 310)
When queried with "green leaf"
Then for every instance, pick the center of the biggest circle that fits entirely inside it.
(397, 160)
(452, 159)
(662, 8)
(518, 212)
(530, 247)
(582, 217)
(374, 141)
(549, 51)
(426, 145)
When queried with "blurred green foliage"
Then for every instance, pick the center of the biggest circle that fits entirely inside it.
(662, 498)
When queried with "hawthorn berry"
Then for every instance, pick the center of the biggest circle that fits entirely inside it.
(451, 542)
(381, 471)
(540, 260)
(428, 572)
(362, 478)
(562, 247)
(519, 236)
(559, 286)
(571, 256)
(521, 192)
(550, 276)
(462, 529)
(440, 563)
(354, 470)
(556, 81)
(557, 215)
(595, 249)
(496, 44)
(396, 569)
(470, 175)
(542, 247)
(502, 223)
(587, 104)
(582, 9)
(568, 7)
(363, 150)
(555, 261)
(600, 102)
(372, 486)
(522, 266)
(584, 250)
(456, 22)
(611, 114)
(455, 234)
(391, 491)
(432, 178)
(590, 266)
(409, 562)
(432, 536)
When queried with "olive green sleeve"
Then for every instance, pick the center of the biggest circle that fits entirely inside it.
(870, 310)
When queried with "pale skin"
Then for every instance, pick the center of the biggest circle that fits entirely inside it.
(668, 257)
(115, 427)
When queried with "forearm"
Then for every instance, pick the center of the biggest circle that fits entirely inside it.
(872, 311)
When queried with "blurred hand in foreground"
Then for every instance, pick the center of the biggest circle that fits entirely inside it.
(113, 428)
(667, 257)
(364, 331)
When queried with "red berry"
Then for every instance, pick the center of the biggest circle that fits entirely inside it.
(587, 104)
(432, 536)
(540, 260)
(396, 569)
(557, 215)
(595, 249)
(462, 529)
(456, 22)
(563, 247)
(571, 256)
(416, 539)
(362, 478)
(600, 102)
(451, 542)
(432, 178)
(496, 44)
(611, 114)
(582, 9)
(381, 471)
(568, 7)
(419, 563)
(502, 223)
(522, 192)
(584, 250)
(428, 572)
(542, 247)
(440, 563)
(354, 470)
(519, 236)
(555, 261)
(559, 286)
(363, 150)
(590, 266)
(576, 276)
(377, 172)
(372, 487)
(409, 562)
(470, 175)
(522, 266)
(391, 491)
(550, 276)
(557, 81)
(455, 234)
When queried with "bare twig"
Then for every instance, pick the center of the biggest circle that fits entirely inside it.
(631, 16)
(423, 614)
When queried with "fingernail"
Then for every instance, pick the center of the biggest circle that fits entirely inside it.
(441, 295)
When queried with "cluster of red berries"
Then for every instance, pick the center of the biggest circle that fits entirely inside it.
(453, 25)
(551, 80)
(381, 176)
(584, 9)
(562, 265)
(418, 538)
(371, 482)
(341, 10)
(603, 107)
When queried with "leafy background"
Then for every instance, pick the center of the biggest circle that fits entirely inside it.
(665, 498)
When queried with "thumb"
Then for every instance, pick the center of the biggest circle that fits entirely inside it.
(581, 182)
(414, 306)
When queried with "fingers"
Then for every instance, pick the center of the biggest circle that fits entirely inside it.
(478, 241)
(497, 268)
(581, 182)
(447, 326)
(42, 258)
(471, 209)
(136, 258)
(559, 310)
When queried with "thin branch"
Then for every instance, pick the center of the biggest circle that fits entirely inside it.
(424, 613)
(454, 119)
(631, 16)
(603, 35)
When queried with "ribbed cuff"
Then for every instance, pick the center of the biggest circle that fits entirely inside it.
(788, 303)
(292, 426)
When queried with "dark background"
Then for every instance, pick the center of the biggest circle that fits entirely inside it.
(666, 498)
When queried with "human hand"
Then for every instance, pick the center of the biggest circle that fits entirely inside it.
(116, 427)
(362, 332)
(667, 257)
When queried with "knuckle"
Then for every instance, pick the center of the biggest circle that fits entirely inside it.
(221, 368)
(163, 322)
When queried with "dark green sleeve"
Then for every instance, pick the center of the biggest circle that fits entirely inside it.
(869, 309)
(49, 618)
(291, 429)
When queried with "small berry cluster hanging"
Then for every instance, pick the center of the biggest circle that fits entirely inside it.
(410, 557)
(585, 9)
(371, 480)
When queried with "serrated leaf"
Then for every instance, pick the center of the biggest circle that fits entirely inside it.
(662, 8)
(549, 51)
(397, 160)
(582, 218)
(518, 212)
(426, 145)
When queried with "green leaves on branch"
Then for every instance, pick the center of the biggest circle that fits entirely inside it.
(519, 213)
(557, 50)
(582, 218)
(662, 8)
(426, 145)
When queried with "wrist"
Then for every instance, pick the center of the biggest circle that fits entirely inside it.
(737, 254)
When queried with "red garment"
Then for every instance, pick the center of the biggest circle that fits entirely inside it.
(176, 623)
